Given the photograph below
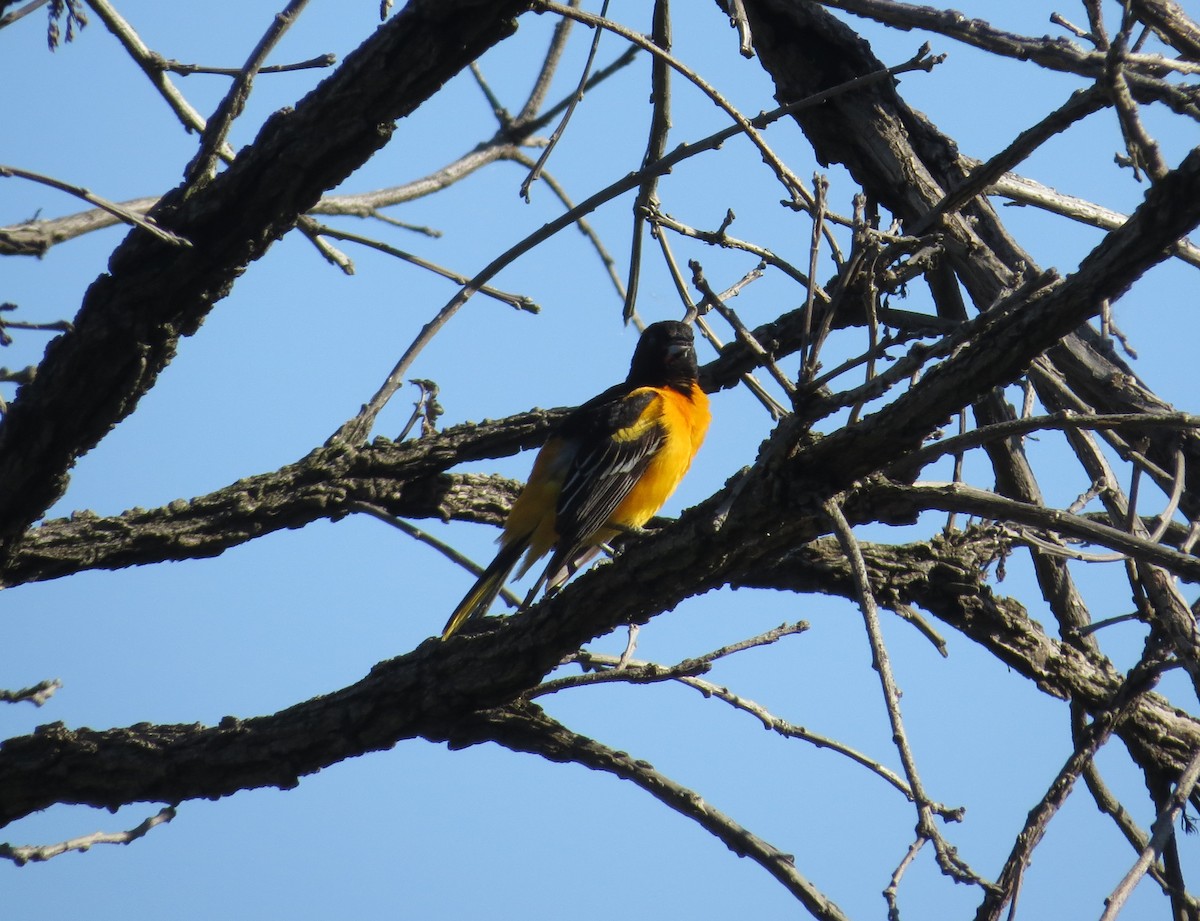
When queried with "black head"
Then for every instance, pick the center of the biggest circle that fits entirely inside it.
(665, 356)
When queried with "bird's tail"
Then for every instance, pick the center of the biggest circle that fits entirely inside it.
(486, 588)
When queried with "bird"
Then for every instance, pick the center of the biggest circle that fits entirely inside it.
(605, 470)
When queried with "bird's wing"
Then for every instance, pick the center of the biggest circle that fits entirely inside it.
(617, 438)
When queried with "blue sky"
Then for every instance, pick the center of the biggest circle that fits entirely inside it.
(418, 831)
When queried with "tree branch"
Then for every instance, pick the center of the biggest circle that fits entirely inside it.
(526, 727)
(131, 319)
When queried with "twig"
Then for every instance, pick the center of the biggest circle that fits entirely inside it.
(1066, 419)
(23, 376)
(1107, 622)
(1107, 803)
(994, 507)
(1165, 516)
(1143, 151)
(584, 226)
(37, 853)
(808, 353)
(772, 405)
(422, 229)
(630, 647)
(1098, 34)
(184, 70)
(1055, 391)
(893, 887)
(1023, 191)
(769, 403)
(923, 627)
(595, 663)
(1048, 52)
(947, 857)
(1059, 20)
(575, 99)
(212, 138)
(427, 409)
(740, 21)
(501, 113)
(541, 85)
(814, 339)
(128, 217)
(334, 256)
(147, 60)
(609, 670)
(795, 188)
(37, 694)
(622, 60)
(985, 175)
(9, 18)
(55, 326)
(722, 239)
(763, 357)
(1139, 680)
(517, 301)
(425, 537)
(687, 672)
(1025, 536)
(656, 145)
(357, 428)
(526, 728)
(888, 341)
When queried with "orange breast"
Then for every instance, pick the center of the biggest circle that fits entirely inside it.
(685, 421)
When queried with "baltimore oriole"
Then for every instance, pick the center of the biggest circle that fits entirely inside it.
(607, 468)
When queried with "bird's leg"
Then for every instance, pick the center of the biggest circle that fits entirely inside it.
(632, 530)
(624, 532)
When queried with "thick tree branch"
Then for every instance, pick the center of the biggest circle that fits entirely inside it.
(131, 319)
(1052, 53)
(905, 163)
(946, 576)
(405, 478)
(426, 691)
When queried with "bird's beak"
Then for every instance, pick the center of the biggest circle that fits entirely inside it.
(678, 349)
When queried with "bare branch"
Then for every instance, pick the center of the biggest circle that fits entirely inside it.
(9, 18)
(646, 199)
(212, 138)
(1164, 828)
(129, 217)
(21, 855)
(570, 109)
(163, 292)
(357, 428)
(37, 694)
(178, 67)
(948, 859)
(148, 61)
(959, 497)
(524, 727)
(518, 301)
(1140, 679)
(439, 545)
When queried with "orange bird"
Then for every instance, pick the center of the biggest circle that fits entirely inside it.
(606, 470)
